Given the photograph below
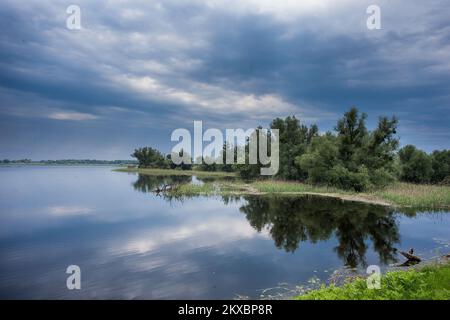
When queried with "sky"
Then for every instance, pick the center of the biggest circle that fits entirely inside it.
(137, 70)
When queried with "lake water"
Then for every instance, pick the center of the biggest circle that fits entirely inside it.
(131, 243)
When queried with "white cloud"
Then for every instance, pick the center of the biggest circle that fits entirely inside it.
(282, 9)
(66, 211)
(71, 116)
(203, 57)
(210, 233)
(205, 97)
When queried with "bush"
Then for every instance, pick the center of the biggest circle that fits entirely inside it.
(150, 158)
(319, 160)
(317, 174)
(342, 178)
(381, 178)
(445, 181)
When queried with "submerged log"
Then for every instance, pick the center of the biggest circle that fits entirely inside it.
(163, 188)
(410, 256)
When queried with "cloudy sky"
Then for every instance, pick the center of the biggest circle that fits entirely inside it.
(137, 70)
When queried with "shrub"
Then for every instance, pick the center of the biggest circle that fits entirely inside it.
(445, 181)
(342, 178)
(381, 178)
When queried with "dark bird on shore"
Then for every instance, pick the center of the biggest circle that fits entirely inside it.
(411, 251)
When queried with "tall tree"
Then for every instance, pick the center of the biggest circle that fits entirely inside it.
(355, 158)
(184, 165)
(293, 142)
(248, 170)
(352, 132)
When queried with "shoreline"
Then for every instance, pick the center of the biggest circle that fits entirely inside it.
(400, 195)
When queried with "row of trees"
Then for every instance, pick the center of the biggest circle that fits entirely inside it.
(8, 161)
(419, 167)
(69, 162)
(148, 157)
(354, 157)
(350, 157)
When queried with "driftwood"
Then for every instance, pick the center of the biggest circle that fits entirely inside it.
(164, 188)
(410, 257)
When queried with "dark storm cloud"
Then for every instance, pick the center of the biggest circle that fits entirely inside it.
(139, 69)
(329, 68)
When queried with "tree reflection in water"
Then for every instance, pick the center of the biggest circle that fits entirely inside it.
(148, 183)
(292, 220)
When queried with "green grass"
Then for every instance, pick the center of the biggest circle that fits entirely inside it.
(272, 186)
(430, 283)
(399, 194)
(194, 189)
(174, 172)
(415, 195)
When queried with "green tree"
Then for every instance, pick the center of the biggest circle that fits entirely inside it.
(352, 133)
(382, 145)
(184, 165)
(227, 149)
(415, 165)
(441, 165)
(321, 156)
(378, 156)
(247, 170)
(149, 158)
(354, 158)
(211, 166)
(294, 138)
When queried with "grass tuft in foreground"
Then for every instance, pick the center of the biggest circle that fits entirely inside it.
(430, 283)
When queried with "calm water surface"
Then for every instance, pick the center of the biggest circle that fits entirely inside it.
(131, 243)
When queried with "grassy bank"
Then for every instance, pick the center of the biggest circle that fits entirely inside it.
(415, 195)
(430, 282)
(398, 194)
(194, 190)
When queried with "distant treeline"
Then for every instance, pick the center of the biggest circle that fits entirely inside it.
(351, 157)
(69, 162)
